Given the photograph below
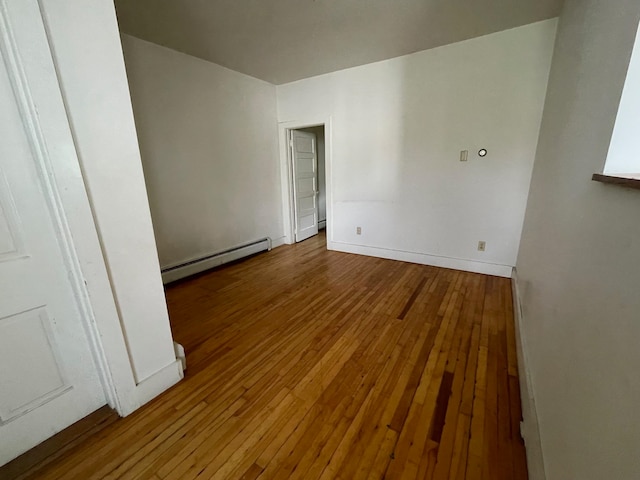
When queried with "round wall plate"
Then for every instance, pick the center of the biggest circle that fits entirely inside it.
(482, 152)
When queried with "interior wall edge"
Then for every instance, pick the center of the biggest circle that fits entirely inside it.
(277, 242)
(227, 169)
(156, 383)
(529, 428)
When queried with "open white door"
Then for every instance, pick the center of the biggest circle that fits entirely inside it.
(48, 376)
(305, 184)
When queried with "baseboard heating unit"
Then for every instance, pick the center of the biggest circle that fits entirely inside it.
(175, 272)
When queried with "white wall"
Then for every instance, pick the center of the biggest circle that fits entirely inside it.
(208, 137)
(579, 262)
(86, 47)
(623, 156)
(397, 130)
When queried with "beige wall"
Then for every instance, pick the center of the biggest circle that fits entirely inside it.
(579, 261)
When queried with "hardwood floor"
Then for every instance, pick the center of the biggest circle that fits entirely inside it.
(310, 364)
(33, 461)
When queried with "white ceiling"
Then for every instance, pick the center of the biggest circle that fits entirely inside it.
(285, 40)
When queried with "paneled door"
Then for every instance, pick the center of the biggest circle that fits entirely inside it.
(305, 184)
(48, 374)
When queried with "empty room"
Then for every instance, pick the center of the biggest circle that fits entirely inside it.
(319, 240)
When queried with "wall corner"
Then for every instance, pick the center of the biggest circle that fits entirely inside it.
(529, 427)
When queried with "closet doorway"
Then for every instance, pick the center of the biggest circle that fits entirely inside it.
(307, 175)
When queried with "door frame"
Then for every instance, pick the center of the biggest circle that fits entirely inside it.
(61, 178)
(286, 172)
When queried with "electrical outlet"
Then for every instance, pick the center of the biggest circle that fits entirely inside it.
(358, 230)
(464, 155)
(482, 246)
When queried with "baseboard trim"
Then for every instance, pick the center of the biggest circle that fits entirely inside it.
(424, 259)
(160, 381)
(180, 355)
(322, 224)
(277, 242)
(529, 428)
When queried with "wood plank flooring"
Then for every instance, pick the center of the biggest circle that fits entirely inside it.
(308, 364)
(31, 462)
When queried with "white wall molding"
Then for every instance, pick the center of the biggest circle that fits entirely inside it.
(530, 430)
(158, 382)
(277, 242)
(423, 259)
(80, 72)
(180, 355)
(106, 143)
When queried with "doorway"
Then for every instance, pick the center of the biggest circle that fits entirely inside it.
(306, 180)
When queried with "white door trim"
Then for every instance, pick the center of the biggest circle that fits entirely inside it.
(62, 182)
(286, 172)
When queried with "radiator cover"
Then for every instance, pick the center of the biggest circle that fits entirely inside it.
(171, 273)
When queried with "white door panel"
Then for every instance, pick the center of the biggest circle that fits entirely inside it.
(48, 377)
(30, 368)
(305, 184)
(8, 244)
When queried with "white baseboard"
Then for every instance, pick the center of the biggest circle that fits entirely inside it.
(277, 242)
(424, 259)
(180, 355)
(322, 224)
(529, 427)
(160, 381)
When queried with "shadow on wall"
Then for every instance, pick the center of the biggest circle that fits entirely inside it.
(209, 145)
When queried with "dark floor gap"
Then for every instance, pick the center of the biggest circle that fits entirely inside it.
(412, 299)
(441, 407)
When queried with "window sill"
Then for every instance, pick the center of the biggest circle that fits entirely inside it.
(628, 180)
